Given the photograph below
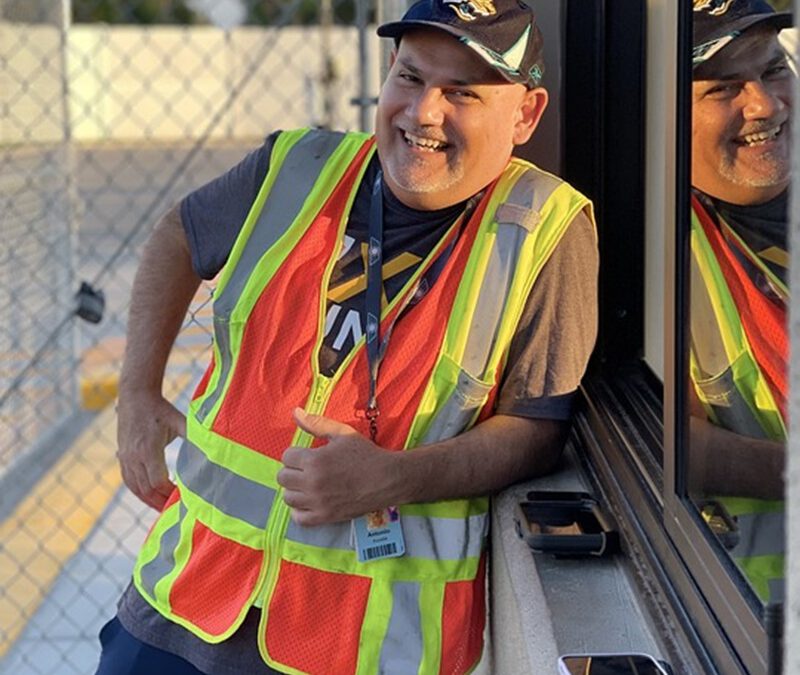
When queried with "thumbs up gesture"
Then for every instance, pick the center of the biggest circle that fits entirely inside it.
(343, 479)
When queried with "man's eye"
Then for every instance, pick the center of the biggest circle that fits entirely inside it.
(463, 94)
(408, 77)
(724, 89)
(777, 72)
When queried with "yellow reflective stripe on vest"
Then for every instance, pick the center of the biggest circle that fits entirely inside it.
(727, 377)
(762, 543)
(766, 576)
(398, 569)
(431, 602)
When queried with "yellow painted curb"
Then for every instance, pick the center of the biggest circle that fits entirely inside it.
(98, 391)
(49, 525)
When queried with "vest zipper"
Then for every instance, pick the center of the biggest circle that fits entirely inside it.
(280, 516)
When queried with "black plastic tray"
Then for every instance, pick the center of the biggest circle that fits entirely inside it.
(564, 524)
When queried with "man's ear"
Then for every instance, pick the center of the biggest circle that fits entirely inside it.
(531, 110)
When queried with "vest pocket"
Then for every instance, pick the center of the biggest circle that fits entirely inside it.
(315, 619)
(722, 394)
(463, 623)
(213, 589)
(461, 396)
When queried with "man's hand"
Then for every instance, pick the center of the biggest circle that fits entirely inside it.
(346, 478)
(146, 424)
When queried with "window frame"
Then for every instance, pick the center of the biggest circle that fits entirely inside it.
(700, 601)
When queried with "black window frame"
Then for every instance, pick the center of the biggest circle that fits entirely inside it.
(698, 599)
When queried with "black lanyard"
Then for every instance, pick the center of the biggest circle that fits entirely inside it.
(376, 347)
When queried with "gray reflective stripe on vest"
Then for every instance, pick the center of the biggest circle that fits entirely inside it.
(718, 389)
(296, 178)
(777, 590)
(222, 338)
(427, 538)
(457, 411)
(760, 534)
(229, 492)
(516, 218)
(401, 651)
(164, 562)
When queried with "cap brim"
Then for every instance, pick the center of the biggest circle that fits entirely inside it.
(778, 20)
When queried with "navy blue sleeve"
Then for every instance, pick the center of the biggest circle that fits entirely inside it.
(213, 214)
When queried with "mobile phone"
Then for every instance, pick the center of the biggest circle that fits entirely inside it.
(612, 664)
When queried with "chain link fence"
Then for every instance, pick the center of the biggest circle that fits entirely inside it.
(111, 111)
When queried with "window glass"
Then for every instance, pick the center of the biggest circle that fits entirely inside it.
(742, 84)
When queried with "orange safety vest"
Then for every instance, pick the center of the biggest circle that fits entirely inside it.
(225, 542)
(739, 338)
(739, 363)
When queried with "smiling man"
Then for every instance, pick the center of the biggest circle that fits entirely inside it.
(401, 322)
(741, 114)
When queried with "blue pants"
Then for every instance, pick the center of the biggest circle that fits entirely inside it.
(123, 654)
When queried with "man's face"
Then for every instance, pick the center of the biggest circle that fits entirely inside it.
(446, 122)
(741, 113)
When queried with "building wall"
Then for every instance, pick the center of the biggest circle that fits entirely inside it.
(792, 626)
(164, 83)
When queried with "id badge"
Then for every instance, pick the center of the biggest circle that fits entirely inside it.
(379, 535)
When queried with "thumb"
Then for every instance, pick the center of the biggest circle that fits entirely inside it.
(321, 426)
(176, 420)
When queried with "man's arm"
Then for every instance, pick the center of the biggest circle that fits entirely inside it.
(722, 462)
(351, 476)
(726, 463)
(162, 290)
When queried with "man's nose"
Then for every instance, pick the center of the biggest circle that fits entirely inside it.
(427, 107)
(761, 101)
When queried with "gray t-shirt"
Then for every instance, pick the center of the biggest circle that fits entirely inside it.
(547, 357)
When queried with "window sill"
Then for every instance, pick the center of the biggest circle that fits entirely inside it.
(542, 606)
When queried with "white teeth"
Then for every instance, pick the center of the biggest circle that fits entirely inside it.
(428, 144)
(761, 136)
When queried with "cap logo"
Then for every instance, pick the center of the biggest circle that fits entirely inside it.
(510, 60)
(713, 7)
(469, 10)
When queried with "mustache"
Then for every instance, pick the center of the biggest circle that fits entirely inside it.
(757, 126)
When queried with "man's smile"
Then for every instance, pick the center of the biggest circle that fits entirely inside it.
(424, 144)
(758, 138)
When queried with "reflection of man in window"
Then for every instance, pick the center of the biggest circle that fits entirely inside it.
(741, 114)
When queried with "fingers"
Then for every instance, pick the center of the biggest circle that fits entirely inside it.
(136, 481)
(176, 421)
(148, 479)
(306, 511)
(321, 426)
(146, 425)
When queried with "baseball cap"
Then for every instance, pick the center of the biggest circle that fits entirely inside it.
(718, 22)
(503, 33)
